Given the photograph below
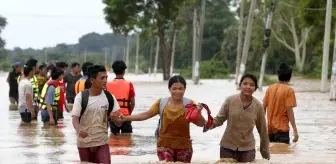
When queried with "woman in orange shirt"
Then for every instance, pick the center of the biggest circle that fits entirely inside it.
(174, 143)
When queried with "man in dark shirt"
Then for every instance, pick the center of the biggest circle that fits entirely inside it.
(70, 79)
(13, 84)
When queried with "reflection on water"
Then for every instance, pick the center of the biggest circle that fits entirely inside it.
(38, 143)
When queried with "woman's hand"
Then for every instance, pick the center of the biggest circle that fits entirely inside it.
(265, 154)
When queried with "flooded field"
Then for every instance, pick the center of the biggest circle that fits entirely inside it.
(35, 143)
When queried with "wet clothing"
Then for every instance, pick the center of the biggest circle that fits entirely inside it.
(278, 98)
(239, 156)
(25, 87)
(126, 127)
(26, 116)
(238, 135)
(94, 119)
(123, 90)
(13, 86)
(50, 95)
(97, 154)
(46, 118)
(172, 155)
(70, 81)
(175, 130)
(281, 137)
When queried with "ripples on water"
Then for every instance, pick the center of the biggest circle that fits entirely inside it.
(36, 143)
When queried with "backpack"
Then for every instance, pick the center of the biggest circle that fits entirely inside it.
(85, 100)
(163, 103)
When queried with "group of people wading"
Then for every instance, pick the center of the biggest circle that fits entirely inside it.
(99, 104)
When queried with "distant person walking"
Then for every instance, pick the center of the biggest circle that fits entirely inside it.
(25, 106)
(333, 82)
(83, 83)
(62, 102)
(13, 83)
(42, 77)
(279, 102)
(243, 112)
(124, 92)
(70, 80)
(90, 115)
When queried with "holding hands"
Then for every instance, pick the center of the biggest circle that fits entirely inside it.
(117, 118)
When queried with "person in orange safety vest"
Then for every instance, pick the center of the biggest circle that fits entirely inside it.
(123, 91)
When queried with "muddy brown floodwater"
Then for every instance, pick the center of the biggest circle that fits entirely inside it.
(36, 143)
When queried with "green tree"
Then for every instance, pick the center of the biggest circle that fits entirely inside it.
(3, 23)
(159, 15)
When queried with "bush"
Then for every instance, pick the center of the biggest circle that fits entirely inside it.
(209, 69)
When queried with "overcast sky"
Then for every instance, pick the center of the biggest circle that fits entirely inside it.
(40, 23)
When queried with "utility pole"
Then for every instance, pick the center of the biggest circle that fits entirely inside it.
(137, 55)
(194, 45)
(324, 76)
(127, 51)
(156, 55)
(248, 34)
(266, 44)
(173, 55)
(150, 58)
(45, 55)
(85, 55)
(105, 49)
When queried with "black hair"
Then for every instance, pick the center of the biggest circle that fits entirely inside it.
(284, 72)
(85, 67)
(94, 70)
(56, 72)
(61, 65)
(75, 64)
(252, 77)
(31, 63)
(27, 69)
(42, 66)
(177, 79)
(119, 67)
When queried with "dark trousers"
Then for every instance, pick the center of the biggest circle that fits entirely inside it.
(281, 137)
(98, 154)
(26, 116)
(36, 110)
(45, 116)
(239, 156)
(126, 127)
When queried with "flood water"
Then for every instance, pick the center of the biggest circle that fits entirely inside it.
(36, 143)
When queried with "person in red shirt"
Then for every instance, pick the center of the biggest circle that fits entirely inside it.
(123, 91)
(62, 102)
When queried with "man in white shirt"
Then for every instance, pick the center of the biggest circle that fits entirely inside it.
(90, 119)
(25, 103)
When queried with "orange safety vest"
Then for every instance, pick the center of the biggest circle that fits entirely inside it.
(120, 88)
(80, 85)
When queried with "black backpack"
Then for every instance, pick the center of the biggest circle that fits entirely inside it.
(85, 100)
